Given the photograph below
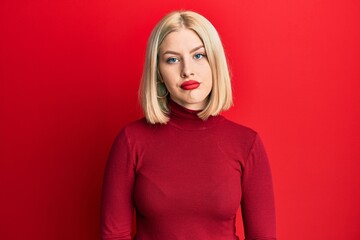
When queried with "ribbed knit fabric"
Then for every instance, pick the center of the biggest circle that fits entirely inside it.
(186, 180)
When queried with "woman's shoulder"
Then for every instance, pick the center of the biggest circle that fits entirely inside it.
(136, 125)
(237, 139)
(138, 129)
(234, 128)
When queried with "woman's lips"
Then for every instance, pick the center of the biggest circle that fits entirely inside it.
(190, 85)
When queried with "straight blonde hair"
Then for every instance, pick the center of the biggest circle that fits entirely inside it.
(156, 108)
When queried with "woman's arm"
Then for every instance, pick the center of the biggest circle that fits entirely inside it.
(117, 195)
(257, 204)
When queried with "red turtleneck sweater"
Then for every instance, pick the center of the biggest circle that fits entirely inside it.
(186, 180)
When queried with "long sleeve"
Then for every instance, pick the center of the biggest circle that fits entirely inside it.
(117, 196)
(257, 202)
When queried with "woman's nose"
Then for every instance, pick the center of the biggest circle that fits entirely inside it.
(186, 69)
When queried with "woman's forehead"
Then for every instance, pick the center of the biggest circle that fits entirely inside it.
(181, 40)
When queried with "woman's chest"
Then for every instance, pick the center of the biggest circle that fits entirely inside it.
(187, 176)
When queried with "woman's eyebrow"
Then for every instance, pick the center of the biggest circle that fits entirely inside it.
(176, 53)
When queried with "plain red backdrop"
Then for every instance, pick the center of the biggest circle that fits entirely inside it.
(69, 73)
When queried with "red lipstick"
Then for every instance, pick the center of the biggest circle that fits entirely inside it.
(190, 85)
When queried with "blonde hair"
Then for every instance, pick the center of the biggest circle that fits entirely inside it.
(156, 109)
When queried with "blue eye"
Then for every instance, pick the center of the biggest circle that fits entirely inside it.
(172, 60)
(199, 56)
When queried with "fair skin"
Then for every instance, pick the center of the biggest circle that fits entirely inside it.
(185, 69)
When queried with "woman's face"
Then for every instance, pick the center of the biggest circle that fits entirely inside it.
(185, 69)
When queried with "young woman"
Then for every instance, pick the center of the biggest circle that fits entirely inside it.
(184, 168)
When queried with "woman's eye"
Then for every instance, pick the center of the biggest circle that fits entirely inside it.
(172, 60)
(199, 56)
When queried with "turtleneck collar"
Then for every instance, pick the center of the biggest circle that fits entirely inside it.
(184, 118)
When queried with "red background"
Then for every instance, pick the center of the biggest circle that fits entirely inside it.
(69, 74)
